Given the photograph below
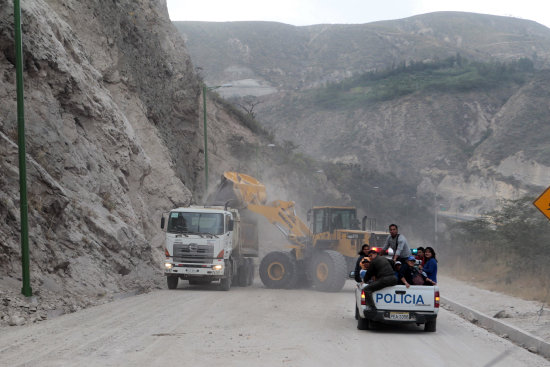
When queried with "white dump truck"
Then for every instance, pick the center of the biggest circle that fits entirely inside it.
(418, 304)
(205, 244)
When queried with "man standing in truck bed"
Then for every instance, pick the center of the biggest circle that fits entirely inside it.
(381, 269)
(399, 245)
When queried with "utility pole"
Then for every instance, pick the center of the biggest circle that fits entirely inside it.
(436, 208)
(205, 89)
(26, 289)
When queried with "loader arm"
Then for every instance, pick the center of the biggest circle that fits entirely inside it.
(245, 191)
(283, 216)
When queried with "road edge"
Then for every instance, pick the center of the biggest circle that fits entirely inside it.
(529, 341)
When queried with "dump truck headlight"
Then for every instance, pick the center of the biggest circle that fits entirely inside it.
(168, 265)
(217, 267)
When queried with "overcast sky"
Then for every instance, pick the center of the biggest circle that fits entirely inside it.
(307, 12)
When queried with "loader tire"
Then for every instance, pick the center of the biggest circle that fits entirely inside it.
(278, 270)
(328, 271)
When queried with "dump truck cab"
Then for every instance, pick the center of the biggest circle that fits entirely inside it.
(205, 244)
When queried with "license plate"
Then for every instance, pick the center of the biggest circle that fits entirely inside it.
(399, 316)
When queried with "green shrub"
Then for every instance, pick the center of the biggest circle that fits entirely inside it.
(453, 74)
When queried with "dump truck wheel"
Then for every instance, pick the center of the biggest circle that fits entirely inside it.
(242, 277)
(172, 282)
(328, 271)
(278, 270)
(251, 270)
(225, 283)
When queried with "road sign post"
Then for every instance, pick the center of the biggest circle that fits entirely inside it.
(543, 203)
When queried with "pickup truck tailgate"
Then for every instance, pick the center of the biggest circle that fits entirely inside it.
(399, 297)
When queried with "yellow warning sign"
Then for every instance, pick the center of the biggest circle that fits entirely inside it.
(543, 203)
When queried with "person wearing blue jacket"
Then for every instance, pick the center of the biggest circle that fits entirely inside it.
(430, 266)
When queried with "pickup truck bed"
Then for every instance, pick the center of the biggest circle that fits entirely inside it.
(398, 305)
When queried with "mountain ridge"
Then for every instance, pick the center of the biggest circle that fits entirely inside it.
(464, 144)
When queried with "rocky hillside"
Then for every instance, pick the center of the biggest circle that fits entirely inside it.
(114, 139)
(114, 131)
(468, 134)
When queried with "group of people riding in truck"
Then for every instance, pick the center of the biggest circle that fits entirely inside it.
(378, 272)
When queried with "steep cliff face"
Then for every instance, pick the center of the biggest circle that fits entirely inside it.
(113, 140)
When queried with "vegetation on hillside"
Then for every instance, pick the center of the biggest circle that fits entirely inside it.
(247, 120)
(515, 240)
(453, 74)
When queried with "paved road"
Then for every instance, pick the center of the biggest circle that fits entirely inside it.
(201, 326)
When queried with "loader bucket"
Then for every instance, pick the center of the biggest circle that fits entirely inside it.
(239, 190)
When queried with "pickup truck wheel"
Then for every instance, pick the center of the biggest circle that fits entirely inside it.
(430, 325)
(362, 324)
(328, 270)
(278, 270)
(172, 282)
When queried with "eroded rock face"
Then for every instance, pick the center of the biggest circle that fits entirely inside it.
(111, 112)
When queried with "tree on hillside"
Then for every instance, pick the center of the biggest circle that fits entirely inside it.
(248, 103)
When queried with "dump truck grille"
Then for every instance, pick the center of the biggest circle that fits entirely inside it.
(193, 253)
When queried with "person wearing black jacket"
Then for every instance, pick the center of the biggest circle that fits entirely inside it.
(410, 275)
(363, 253)
(384, 276)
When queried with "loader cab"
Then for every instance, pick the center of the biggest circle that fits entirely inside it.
(329, 219)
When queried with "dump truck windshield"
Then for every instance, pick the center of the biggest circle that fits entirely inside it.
(199, 223)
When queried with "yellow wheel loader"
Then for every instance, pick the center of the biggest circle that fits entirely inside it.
(321, 254)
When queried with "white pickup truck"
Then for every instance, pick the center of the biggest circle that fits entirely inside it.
(417, 304)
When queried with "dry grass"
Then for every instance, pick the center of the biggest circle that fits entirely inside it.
(498, 278)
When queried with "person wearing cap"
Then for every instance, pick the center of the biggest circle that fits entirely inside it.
(411, 276)
(397, 268)
(398, 244)
(362, 254)
(381, 269)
